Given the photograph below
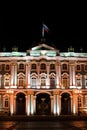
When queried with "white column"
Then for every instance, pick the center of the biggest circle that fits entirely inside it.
(55, 112)
(34, 105)
(75, 104)
(57, 75)
(11, 104)
(14, 105)
(47, 80)
(28, 105)
(38, 79)
(58, 104)
(27, 75)
(13, 75)
(73, 75)
(52, 105)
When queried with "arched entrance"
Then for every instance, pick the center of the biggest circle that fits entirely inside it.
(65, 104)
(43, 104)
(20, 104)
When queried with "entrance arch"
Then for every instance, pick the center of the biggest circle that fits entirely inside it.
(43, 104)
(65, 104)
(20, 104)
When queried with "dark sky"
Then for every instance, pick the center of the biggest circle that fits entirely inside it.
(21, 25)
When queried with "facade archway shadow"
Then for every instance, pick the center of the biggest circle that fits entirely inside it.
(43, 104)
(65, 104)
(20, 104)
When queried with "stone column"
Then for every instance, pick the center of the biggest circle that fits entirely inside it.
(47, 80)
(28, 105)
(11, 103)
(55, 104)
(28, 75)
(13, 75)
(14, 105)
(58, 104)
(52, 105)
(38, 79)
(59, 74)
(75, 104)
(34, 107)
(74, 75)
(71, 75)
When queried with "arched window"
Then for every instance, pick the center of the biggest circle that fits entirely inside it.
(33, 82)
(78, 80)
(6, 101)
(65, 81)
(52, 82)
(21, 80)
(6, 80)
(43, 81)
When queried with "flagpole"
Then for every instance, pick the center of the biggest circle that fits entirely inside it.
(42, 31)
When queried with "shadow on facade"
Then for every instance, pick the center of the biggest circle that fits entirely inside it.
(43, 104)
(65, 104)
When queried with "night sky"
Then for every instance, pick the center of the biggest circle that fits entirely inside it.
(21, 25)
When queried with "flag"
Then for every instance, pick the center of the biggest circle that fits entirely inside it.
(44, 29)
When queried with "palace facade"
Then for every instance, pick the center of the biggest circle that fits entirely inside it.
(43, 81)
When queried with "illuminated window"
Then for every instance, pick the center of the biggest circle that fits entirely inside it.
(65, 81)
(78, 82)
(7, 80)
(6, 101)
(43, 81)
(21, 80)
(52, 82)
(33, 82)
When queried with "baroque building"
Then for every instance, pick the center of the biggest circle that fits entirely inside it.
(43, 80)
